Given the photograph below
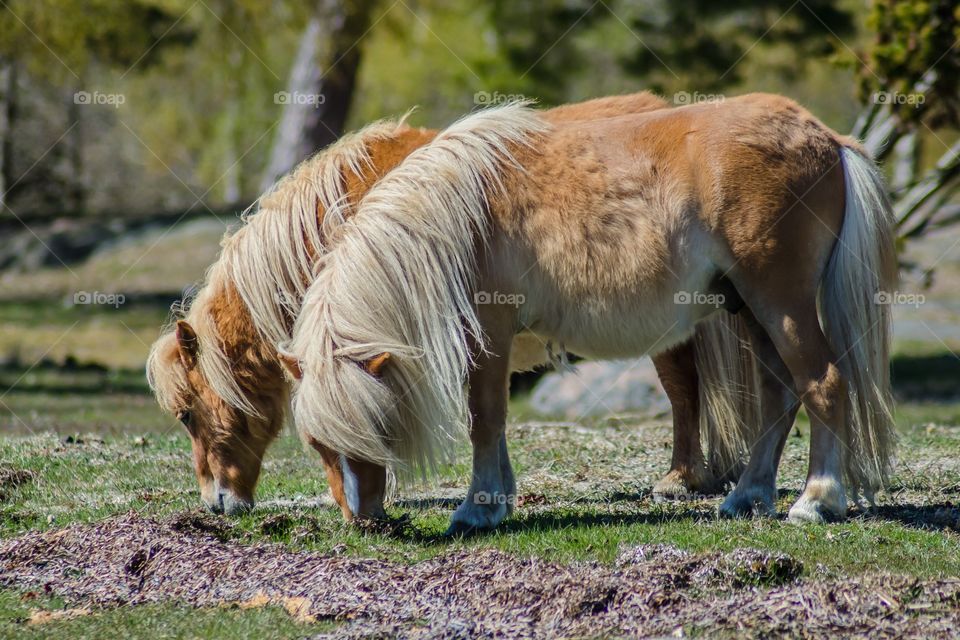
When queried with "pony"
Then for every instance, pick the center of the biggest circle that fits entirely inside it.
(614, 237)
(217, 370)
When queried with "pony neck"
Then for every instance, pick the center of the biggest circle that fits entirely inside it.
(385, 154)
(253, 359)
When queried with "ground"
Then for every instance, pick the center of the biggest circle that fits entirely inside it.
(101, 533)
(586, 524)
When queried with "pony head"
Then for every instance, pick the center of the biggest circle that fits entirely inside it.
(399, 280)
(230, 425)
(218, 370)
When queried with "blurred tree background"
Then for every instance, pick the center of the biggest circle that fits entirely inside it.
(129, 109)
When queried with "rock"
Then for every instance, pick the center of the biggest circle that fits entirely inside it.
(602, 388)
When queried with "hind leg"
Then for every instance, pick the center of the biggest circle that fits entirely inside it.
(756, 490)
(688, 469)
(812, 364)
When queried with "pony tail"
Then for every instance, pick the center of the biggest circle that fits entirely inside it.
(856, 318)
(729, 393)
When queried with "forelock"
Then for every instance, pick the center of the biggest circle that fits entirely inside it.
(165, 373)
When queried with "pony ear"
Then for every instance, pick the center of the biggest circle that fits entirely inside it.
(291, 363)
(375, 365)
(187, 344)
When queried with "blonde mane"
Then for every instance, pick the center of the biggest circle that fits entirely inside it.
(269, 261)
(400, 279)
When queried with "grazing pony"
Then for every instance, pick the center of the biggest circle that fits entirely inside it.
(216, 369)
(614, 237)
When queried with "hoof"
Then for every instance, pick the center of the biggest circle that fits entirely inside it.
(806, 511)
(822, 501)
(463, 530)
(748, 503)
(678, 485)
(479, 512)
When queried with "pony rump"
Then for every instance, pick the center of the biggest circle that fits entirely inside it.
(400, 280)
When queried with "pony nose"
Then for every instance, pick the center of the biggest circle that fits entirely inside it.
(233, 505)
(216, 505)
(225, 501)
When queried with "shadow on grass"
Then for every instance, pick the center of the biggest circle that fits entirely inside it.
(926, 377)
(74, 378)
(933, 517)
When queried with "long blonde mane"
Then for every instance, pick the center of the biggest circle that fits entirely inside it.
(269, 260)
(400, 279)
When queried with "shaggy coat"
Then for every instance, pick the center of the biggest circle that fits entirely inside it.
(596, 232)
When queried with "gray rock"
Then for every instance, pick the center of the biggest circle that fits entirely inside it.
(601, 389)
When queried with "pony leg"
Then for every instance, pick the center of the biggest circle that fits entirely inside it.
(756, 490)
(688, 469)
(823, 391)
(491, 488)
(506, 473)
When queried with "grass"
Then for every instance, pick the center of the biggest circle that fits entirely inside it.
(154, 621)
(91, 444)
(585, 492)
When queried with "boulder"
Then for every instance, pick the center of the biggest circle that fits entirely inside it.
(602, 389)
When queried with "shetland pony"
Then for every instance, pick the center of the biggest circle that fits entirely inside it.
(598, 233)
(217, 369)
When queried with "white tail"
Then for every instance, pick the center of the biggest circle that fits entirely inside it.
(856, 320)
(729, 393)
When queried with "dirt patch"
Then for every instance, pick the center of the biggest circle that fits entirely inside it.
(650, 590)
(12, 479)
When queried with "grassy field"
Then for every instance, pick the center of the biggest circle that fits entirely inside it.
(84, 446)
(584, 495)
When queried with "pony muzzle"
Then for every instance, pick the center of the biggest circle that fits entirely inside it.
(226, 502)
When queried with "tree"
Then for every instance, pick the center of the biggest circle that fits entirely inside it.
(58, 42)
(910, 83)
(318, 96)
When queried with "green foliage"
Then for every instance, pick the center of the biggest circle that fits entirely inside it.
(915, 52)
(680, 44)
(706, 41)
(38, 32)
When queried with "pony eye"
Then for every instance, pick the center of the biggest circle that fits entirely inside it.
(184, 417)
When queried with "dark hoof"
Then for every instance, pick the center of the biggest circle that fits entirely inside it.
(463, 530)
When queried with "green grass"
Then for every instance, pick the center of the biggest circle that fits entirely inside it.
(147, 621)
(585, 492)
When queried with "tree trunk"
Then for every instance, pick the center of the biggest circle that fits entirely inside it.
(75, 186)
(8, 82)
(317, 102)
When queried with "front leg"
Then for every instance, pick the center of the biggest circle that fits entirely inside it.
(491, 495)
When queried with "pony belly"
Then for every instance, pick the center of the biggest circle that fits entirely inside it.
(628, 322)
(600, 337)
